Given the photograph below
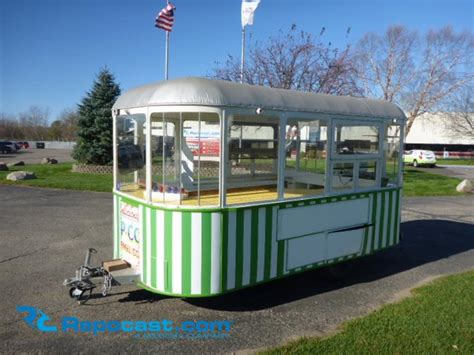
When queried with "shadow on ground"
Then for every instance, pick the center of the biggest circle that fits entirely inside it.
(424, 241)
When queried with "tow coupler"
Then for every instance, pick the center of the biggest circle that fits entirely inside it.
(87, 279)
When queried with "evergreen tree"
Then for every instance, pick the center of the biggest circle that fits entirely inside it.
(94, 144)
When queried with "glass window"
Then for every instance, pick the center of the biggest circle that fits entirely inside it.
(305, 157)
(131, 174)
(200, 159)
(253, 159)
(392, 155)
(185, 158)
(367, 174)
(342, 176)
(356, 139)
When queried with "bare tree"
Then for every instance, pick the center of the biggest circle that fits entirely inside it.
(34, 122)
(294, 60)
(462, 117)
(421, 74)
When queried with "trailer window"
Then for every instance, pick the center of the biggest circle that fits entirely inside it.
(367, 174)
(130, 151)
(391, 148)
(200, 159)
(356, 139)
(252, 159)
(305, 157)
(185, 158)
(342, 178)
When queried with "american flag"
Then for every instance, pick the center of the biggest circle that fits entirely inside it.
(165, 18)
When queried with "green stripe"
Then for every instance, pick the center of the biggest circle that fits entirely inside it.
(374, 221)
(382, 215)
(366, 237)
(186, 253)
(280, 258)
(268, 242)
(239, 252)
(168, 250)
(397, 217)
(225, 249)
(206, 254)
(389, 222)
(254, 246)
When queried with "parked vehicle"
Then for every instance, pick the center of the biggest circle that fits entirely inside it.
(418, 157)
(7, 147)
(24, 145)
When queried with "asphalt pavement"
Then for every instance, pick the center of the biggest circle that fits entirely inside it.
(44, 234)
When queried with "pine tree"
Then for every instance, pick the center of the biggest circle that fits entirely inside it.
(94, 144)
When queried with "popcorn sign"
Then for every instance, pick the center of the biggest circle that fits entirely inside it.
(130, 234)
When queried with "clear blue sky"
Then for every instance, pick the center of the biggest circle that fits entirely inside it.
(51, 50)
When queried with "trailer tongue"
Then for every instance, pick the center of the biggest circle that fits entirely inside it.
(111, 273)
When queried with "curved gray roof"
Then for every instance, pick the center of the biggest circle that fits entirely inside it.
(207, 92)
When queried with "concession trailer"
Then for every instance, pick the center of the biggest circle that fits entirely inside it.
(220, 186)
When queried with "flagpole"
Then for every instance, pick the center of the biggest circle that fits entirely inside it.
(242, 63)
(167, 49)
(167, 54)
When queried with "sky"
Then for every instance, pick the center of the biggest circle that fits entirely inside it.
(52, 50)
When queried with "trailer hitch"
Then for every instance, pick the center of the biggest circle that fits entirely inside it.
(81, 286)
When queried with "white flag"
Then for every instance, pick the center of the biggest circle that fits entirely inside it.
(248, 9)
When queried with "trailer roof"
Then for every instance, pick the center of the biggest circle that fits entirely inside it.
(220, 93)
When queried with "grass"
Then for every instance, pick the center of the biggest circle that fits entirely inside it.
(455, 162)
(416, 182)
(59, 176)
(436, 319)
(420, 183)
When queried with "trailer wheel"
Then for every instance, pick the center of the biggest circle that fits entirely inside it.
(80, 295)
(415, 164)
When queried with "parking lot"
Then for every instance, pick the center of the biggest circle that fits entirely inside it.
(34, 156)
(44, 234)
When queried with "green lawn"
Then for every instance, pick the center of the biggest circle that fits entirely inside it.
(455, 162)
(416, 182)
(436, 319)
(420, 183)
(60, 176)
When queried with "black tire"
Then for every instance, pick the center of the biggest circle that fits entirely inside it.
(415, 164)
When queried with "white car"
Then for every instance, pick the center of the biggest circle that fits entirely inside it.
(419, 157)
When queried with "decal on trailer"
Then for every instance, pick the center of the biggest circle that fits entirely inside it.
(130, 234)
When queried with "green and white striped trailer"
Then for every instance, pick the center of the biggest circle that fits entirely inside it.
(220, 186)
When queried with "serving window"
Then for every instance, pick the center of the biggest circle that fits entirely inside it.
(185, 158)
(305, 157)
(356, 139)
(130, 152)
(252, 166)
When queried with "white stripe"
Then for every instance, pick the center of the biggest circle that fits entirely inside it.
(141, 263)
(385, 219)
(261, 244)
(116, 234)
(273, 269)
(160, 250)
(216, 253)
(247, 247)
(176, 250)
(148, 248)
(231, 251)
(196, 256)
(378, 221)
